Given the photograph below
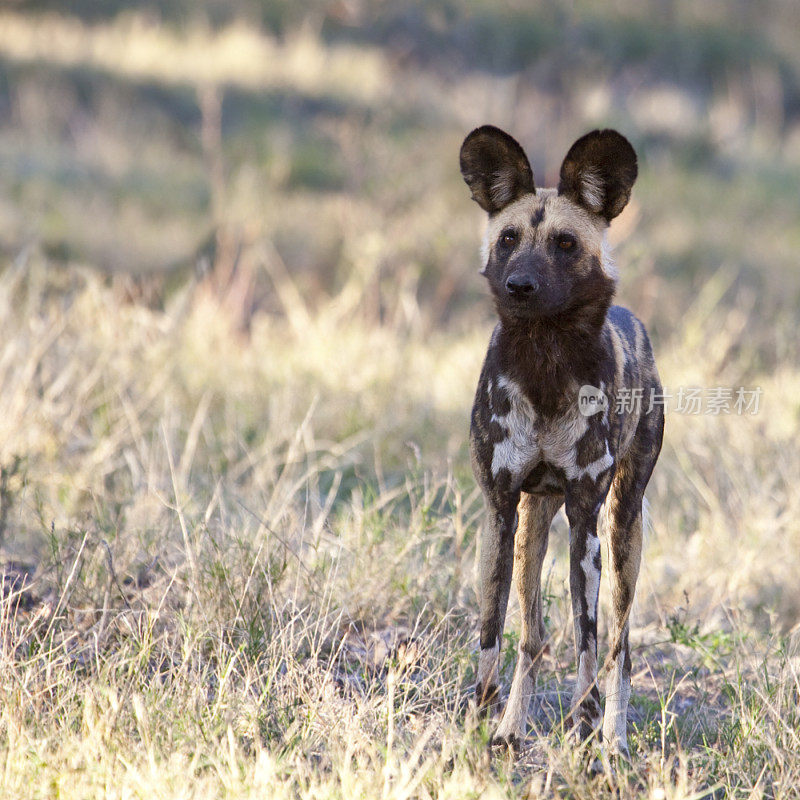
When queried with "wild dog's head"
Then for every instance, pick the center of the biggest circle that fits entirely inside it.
(544, 251)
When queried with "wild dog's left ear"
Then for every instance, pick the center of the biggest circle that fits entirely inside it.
(495, 168)
(598, 173)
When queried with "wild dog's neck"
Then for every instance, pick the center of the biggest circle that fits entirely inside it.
(547, 356)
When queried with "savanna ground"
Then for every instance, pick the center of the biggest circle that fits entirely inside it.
(242, 328)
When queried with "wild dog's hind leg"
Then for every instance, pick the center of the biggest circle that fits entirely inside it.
(496, 563)
(625, 550)
(536, 512)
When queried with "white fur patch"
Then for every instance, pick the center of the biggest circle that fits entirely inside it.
(591, 575)
(531, 439)
(647, 520)
(519, 449)
(559, 439)
(638, 340)
(587, 675)
(587, 670)
(501, 189)
(592, 190)
(486, 246)
(598, 466)
(607, 262)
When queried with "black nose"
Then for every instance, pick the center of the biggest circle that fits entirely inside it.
(521, 284)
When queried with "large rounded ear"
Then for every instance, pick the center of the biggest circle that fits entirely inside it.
(598, 173)
(495, 168)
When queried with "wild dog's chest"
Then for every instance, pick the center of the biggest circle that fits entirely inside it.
(539, 452)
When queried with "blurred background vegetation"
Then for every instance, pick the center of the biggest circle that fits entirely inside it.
(321, 139)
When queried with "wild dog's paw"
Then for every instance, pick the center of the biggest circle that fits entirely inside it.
(580, 729)
(610, 762)
(616, 755)
(505, 742)
(616, 750)
(509, 735)
(588, 745)
(595, 767)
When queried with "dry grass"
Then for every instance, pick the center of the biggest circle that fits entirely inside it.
(242, 564)
(260, 573)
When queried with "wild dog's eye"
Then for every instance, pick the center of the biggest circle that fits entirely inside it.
(508, 238)
(565, 241)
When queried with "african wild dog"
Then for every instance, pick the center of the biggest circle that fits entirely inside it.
(533, 445)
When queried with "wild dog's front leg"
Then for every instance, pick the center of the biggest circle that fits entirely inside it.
(496, 564)
(530, 546)
(583, 503)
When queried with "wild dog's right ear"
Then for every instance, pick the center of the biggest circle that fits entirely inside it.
(598, 173)
(495, 168)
